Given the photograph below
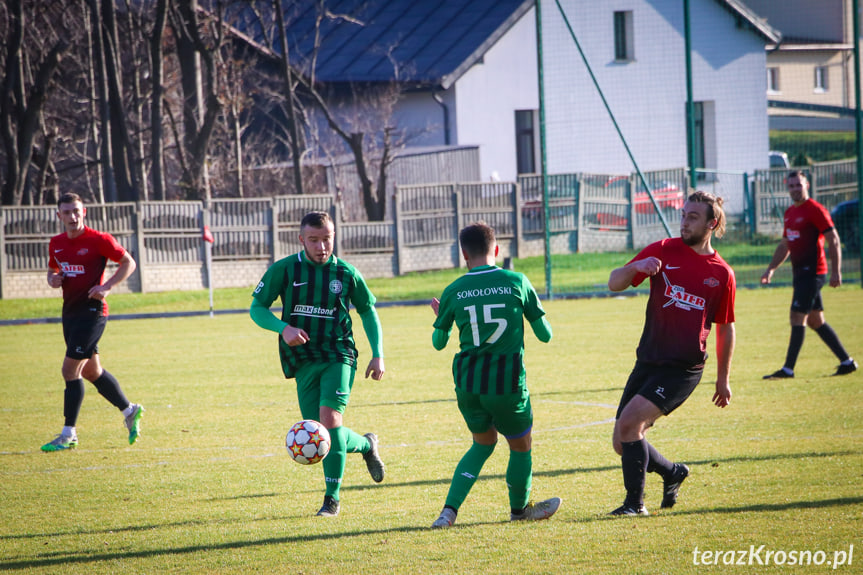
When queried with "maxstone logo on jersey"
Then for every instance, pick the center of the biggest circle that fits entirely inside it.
(70, 269)
(677, 295)
(313, 311)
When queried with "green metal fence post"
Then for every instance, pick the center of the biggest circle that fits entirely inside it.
(855, 17)
(690, 106)
(542, 148)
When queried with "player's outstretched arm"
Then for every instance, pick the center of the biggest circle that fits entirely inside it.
(440, 339)
(264, 318)
(621, 278)
(124, 270)
(725, 340)
(834, 249)
(779, 256)
(541, 329)
(376, 368)
(374, 333)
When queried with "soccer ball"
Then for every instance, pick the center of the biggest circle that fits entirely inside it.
(308, 442)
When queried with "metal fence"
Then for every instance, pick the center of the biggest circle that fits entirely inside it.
(597, 212)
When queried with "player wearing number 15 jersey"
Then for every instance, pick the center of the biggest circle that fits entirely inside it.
(489, 306)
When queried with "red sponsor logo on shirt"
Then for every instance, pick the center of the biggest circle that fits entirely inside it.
(83, 252)
(792, 235)
(678, 296)
(70, 269)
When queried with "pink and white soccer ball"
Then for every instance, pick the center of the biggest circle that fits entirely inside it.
(308, 442)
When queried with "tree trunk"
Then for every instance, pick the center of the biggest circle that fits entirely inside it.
(120, 142)
(198, 125)
(296, 150)
(94, 113)
(11, 103)
(105, 147)
(156, 145)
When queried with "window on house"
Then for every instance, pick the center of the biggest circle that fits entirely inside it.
(525, 141)
(773, 79)
(821, 78)
(623, 41)
(698, 135)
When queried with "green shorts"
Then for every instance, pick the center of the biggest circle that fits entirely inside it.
(326, 384)
(511, 414)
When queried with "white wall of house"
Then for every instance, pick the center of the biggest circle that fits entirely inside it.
(482, 103)
(647, 93)
(488, 95)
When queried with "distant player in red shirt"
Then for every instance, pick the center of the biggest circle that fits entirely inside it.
(77, 260)
(807, 226)
(691, 288)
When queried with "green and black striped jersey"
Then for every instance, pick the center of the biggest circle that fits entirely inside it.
(488, 305)
(317, 299)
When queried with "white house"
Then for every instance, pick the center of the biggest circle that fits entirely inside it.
(470, 76)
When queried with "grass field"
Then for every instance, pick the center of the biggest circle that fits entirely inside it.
(209, 488)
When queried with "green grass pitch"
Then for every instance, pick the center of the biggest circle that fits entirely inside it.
(210, 489)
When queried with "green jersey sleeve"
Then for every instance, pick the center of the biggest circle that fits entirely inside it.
(362, 297)
(272, 284)
(532, 306)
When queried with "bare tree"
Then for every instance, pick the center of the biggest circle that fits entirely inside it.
(290, 104)
(157, 68)
(370, 135)
(199, 117)
(20, 104)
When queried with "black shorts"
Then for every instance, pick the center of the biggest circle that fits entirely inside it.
(807, 293)
(665, 386)
(82, 334)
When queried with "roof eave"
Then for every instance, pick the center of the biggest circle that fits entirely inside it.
(447, 80)
(757, 23)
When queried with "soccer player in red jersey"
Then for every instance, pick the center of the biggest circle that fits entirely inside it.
(691, 288)
(77, 260)
(807, 226)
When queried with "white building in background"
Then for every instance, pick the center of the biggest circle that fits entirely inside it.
(470, 77)
(636, 49)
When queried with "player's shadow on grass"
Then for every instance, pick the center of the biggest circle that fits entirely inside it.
(85, 556)
(785, 506)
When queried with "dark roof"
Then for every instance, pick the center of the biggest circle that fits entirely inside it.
(420, 42)
(758, 24)
(433, 41)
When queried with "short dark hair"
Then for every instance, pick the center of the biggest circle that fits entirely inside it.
(714, 209)
(315, 220)
(69, 198)
(477, 239)
(797, 174)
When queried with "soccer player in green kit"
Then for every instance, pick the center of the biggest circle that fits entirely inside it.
(316, 343)
(489, 305)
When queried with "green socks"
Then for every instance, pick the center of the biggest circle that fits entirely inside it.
(466, 472)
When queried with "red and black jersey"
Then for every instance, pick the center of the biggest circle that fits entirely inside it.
(82, 262)
(804, 229)
(689, 294)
